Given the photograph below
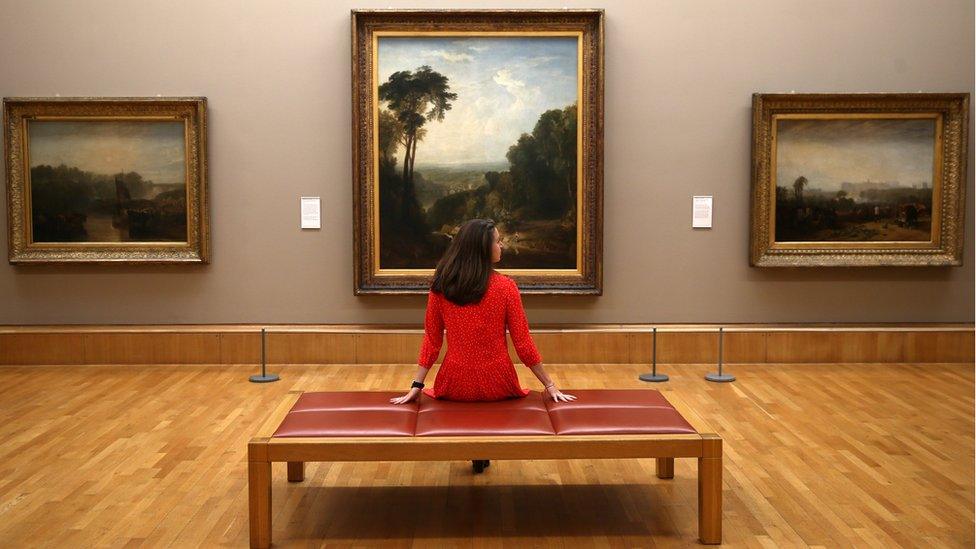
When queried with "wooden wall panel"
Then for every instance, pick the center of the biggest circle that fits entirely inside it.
(892, 345)
(939, 347)
(382, 345)
(119, 348)
(822, 346)
(240, 348)
(956, 346)
(637, 347)
(744, 348)
(687, 347)
(310, 348)
(395, 348)
(560, 347)
(152, 348)
(181, 348)
(42, 348)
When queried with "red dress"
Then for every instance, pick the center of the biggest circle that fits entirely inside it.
(477, 365)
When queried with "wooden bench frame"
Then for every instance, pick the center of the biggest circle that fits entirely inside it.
(263, 450)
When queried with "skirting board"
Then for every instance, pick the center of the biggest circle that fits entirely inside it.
(565, 344)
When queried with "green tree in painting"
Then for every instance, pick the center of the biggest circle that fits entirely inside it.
(555, 133)
(390, 136)
(409, 100)
(543, 165)
(798, 189)
(414, 98)
(539, 185)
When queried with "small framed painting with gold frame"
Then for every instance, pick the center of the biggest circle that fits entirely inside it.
(492, 114)
(858, 179)
(106, 180)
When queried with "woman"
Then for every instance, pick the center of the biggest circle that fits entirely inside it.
(475, 303)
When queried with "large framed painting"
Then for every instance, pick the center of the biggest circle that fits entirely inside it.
(106, 180)
(461, 114)
(858, 179)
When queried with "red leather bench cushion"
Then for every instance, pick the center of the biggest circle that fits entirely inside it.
(618, 412)
(349, 423)
(349, 413)
(370, 413)
(610, 398)
(352, 400)
(514, 416)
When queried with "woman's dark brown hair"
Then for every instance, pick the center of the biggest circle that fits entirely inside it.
(462, 273)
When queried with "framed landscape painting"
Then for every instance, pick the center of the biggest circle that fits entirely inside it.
(489, 114)
(858, 179)
(106, 180)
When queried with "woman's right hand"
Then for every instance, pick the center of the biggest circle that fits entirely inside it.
(558, 395)
(407, 397)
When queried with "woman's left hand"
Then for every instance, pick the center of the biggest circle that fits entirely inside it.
(558, 395)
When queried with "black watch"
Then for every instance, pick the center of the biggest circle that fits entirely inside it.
(416, 384)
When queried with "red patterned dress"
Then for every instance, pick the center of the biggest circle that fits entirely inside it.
(477, 366)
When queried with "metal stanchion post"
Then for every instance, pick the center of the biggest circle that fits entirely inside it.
(264, 377)
(720, 377)
(654, 376)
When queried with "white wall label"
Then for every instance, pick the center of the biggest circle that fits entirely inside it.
(311, 218)
(701, 212)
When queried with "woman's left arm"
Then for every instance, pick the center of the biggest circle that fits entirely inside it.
(433, 332)
(414, 392)
(431, 347)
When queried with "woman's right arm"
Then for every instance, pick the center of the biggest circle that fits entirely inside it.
(550, 385)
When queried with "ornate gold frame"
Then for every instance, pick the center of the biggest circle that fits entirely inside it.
(191, 110)
(368, 278)
(951, 113)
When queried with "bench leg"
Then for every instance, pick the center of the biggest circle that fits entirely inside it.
(259, 502)
(710, 500)
(665, 467)
(296, 471)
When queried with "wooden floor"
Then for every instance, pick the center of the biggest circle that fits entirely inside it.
(815, 455)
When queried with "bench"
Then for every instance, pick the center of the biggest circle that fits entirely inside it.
(365, 426)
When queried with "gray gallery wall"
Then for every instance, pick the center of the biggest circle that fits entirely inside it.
(679, 79)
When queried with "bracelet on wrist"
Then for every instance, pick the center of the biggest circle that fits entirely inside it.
(416, 385)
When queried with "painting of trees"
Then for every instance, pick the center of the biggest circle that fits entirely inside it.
(477, 128)
(488, 114)
(414, 98)
(840, 184)
(411, 99)
(543, 166)
(798, 185)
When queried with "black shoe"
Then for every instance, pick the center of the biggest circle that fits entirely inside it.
(478, 465)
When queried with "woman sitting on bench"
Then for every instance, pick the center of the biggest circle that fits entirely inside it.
(475, 304)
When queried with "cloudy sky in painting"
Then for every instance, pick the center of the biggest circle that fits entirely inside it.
(503, 84)
(154, 149)
(830, 152)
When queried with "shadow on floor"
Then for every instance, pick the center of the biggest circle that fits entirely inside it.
(665, 508)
